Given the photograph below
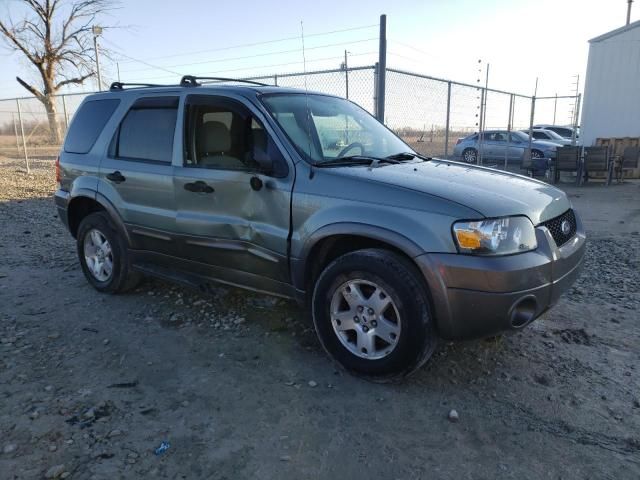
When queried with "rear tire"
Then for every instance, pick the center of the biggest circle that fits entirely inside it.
(470, 155)
(372, 314)
(103, 255)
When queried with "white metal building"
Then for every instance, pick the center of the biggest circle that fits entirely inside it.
(612, 87)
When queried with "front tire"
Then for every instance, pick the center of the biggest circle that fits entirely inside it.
(470, 155)
(103, 255)
(372, 314)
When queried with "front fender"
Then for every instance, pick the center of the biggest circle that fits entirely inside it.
(302, 261)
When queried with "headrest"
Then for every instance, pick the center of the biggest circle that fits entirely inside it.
(214, 137)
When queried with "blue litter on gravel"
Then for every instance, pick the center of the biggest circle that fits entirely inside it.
(164, 446)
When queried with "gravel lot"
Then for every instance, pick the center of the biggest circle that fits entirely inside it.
(236, 383)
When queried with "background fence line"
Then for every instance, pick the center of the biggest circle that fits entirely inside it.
(429, 113)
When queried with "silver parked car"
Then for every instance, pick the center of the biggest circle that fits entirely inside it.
(548, 136)
(564, 132)
(501, 144)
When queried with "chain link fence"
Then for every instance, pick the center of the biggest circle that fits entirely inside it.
(429, 113)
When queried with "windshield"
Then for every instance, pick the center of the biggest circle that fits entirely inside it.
(554, 135)
(323, 128)
(523, 137)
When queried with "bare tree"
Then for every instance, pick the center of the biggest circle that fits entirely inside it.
(55, 37)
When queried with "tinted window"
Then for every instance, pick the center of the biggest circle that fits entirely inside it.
(539, 135)
(146, 132)
(563, 132)
(87, 124)
(495, 136)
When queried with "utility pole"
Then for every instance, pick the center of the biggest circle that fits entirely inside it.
(96, 30)
(531, 119)
(629, 2)
(382, 69)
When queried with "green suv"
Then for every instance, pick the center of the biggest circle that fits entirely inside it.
(307, 196)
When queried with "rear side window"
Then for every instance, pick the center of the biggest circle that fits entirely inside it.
(87, 124)
(563, 132)
(146, 132)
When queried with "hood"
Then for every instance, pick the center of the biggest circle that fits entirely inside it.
(544, 144)
(492, 193)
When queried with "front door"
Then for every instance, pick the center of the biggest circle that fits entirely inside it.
(232, 217)
(137, 175)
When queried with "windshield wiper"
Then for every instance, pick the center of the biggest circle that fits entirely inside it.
(408, 156)
(354, 160)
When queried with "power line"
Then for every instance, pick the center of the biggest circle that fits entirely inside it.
(254, 44)
(273, 65)
(140, 61)
(256, 55)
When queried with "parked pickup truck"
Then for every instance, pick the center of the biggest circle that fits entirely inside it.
(246, 185)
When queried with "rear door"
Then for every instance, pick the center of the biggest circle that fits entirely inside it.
(232, 217)
(137, 175)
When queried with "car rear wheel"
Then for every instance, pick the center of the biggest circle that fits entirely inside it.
(372, 315)
(537, 154)
(470, 155)
(103, 255)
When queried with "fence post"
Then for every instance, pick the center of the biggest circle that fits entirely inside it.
(509, 127)
(575, 120)
(15, 131)
(275, 79)
(64, 109)
(24, 142)
(481, 126)
(446, 127)
(533, 110)
(382, 68)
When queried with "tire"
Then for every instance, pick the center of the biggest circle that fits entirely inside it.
(94, 229)
(379, 277)
(537, 154)
(470, 155)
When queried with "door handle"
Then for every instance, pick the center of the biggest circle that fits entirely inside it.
(198, 187)
(116, 177)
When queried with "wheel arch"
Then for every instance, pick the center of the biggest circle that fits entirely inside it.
(331, 241)
(85, 203)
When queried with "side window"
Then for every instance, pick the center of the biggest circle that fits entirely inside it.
(222, 136)
(87, 124)
(146, 132)
(539, 135)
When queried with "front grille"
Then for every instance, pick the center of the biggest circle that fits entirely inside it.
(555, 227)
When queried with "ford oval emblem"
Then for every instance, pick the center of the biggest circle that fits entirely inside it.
(565, 226)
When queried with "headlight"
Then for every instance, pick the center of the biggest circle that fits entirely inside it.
(497, 236)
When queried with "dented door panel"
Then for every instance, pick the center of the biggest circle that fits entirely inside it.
(234, 226)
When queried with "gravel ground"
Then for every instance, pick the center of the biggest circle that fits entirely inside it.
(239, 388)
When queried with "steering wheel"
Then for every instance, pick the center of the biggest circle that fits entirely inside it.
(350, 146)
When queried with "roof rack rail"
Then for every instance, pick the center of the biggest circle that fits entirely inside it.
(192, 81)
(116, 86)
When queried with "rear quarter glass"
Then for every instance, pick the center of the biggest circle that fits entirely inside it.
(87, 124)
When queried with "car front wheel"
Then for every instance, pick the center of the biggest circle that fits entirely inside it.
(103, 255)
(372, 314)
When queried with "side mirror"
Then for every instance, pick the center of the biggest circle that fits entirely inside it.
(264, 161)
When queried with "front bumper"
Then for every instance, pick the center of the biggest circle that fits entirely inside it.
(480, 296)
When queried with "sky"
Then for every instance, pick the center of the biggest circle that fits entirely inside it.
(521, 40)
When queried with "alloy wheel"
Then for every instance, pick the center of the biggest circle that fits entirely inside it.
(365, 319)
(98, 255)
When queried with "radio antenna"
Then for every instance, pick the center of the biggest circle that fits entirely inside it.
(306, 95)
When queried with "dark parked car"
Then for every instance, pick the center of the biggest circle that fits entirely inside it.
(246, 185)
